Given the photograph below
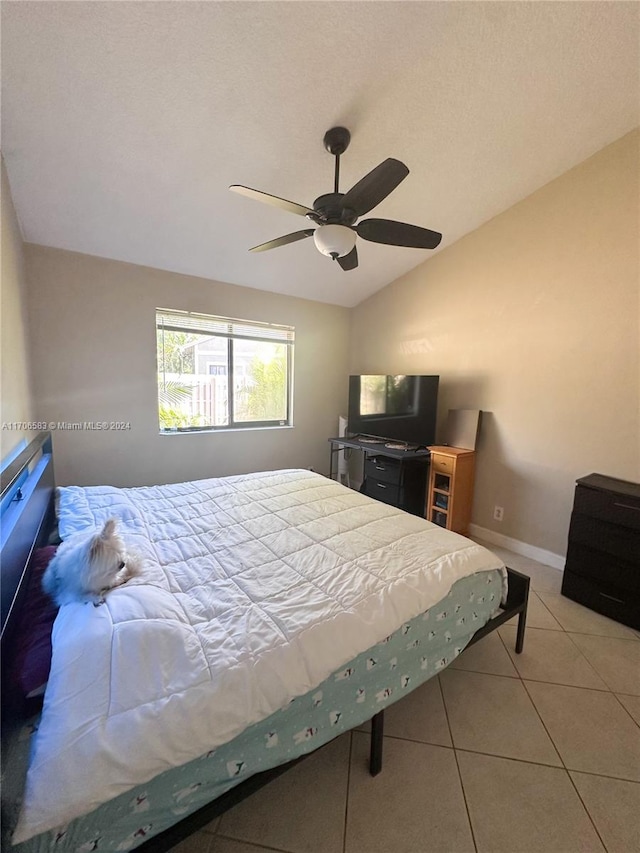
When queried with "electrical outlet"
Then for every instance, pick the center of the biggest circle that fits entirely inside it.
(498, 513)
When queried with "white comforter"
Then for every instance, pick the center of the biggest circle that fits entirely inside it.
(255, 589)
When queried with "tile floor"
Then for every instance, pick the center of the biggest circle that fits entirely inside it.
(501, 752)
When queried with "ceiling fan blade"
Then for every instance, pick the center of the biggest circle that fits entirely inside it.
(273, 200)
(397, 234)
(374, 187)
(350, 261)
(282, 241)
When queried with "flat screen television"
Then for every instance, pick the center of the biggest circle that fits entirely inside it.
(395, 408)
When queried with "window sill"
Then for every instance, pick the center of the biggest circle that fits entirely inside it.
(226, 431)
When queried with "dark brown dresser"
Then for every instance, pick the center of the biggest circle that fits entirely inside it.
(602, 570)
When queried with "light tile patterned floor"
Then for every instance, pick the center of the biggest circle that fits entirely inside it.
(502, 753)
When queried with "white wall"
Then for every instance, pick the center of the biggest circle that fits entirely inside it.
(94, 345)
(533, 318)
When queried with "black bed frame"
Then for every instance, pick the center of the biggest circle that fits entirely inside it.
(32, 530)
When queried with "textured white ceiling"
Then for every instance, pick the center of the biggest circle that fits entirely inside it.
(124, 123)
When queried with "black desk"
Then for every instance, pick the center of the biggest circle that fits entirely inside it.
(392, 475)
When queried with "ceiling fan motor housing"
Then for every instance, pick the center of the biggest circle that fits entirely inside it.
(330, 210)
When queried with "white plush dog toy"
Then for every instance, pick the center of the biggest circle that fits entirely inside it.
(87, 566)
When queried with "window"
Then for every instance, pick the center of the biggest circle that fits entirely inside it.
(217, 373)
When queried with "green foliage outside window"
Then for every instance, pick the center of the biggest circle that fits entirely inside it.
(265, 397)
(171, 395)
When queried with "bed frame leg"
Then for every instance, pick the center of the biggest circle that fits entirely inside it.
(522, 621)
(377, 732)
(522, 618)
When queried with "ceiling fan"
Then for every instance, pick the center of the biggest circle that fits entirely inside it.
(335, 213)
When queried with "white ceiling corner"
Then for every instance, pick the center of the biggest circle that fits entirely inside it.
(123, 124)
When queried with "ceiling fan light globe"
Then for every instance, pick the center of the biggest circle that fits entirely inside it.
(335, 241)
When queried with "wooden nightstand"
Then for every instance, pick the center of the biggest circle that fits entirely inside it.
(450, 493)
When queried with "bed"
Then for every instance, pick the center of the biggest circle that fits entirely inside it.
(275, 611)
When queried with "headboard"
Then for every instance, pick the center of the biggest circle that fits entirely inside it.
(27, 498)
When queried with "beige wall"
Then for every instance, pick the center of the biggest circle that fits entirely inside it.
(14, 357)
(93, 331)
(533, 318)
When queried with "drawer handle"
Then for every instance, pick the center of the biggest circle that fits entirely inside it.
(380, 468)
(380, 486)
(612, 598)
(628, 506)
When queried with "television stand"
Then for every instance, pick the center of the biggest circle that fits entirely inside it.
(393, 473)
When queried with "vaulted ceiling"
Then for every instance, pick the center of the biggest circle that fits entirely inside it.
(124, 123)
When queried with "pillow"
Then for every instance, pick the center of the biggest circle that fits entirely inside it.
(32, 660)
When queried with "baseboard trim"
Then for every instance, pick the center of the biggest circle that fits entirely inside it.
(548, 558)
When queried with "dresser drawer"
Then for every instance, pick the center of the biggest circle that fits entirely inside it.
(619, 604)
(385, 492)
(621, 509)
(442, 464)
(383, 469)
(621, 542)
(603, 568)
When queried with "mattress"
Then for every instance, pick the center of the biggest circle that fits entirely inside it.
(255, 589)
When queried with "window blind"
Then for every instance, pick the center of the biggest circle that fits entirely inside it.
(205, 324)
